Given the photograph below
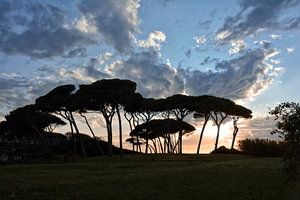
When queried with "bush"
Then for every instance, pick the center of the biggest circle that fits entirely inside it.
(262, 147)
(224, 150)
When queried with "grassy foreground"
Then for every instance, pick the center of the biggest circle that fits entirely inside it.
(148, 177)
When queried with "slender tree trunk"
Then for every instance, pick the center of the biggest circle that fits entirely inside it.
(217, 139)
(234, 136)
(130, 127)
(233, 140)
(79, 136)
(146, 148)
(201, 134)
(73, 138)
(109, 139)
(235, 131)
(96, 141)
(155, 147)
(120, 131)
(180, 142)
(161, 146)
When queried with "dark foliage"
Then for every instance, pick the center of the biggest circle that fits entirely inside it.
(224, 150)
(262, 147)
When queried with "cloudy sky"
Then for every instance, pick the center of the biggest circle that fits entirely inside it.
(245, 50)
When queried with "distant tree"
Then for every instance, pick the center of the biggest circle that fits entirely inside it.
(237, 112)
(156, 128)
(28, 122)
(218, 109)
(180, 106)
(140, 110)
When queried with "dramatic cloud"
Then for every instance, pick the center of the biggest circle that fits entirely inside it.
(256, 16)
(239, 78)
(116, 21)
(38, 31)
(154, 79)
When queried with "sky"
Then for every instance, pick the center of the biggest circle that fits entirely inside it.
(244, 50)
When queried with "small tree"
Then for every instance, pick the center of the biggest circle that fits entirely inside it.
(287, 116)
(157, 128)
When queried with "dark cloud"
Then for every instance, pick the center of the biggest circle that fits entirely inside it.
(266, 44)
(209, 60)
(154, 79)
(188, 53)
(37, 30)
(116, 21)
(92, 70)
(256, 16)
(238, 78)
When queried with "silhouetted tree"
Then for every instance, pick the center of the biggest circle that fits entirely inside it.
(28, 122)
(107, 96)
(60, 101)
(237, 112)
(203, 107)
(287, 117)
(156, 128)
(180, 106)
(140, 110)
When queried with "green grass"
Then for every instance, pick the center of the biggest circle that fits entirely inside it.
(148, 177)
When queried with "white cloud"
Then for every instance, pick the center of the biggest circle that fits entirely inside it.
(199, 40)
(154, 40)
(290, 49)
(237, 46)
(83, 25)
(275, 36)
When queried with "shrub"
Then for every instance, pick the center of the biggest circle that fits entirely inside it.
(224, 150)
(262, 147)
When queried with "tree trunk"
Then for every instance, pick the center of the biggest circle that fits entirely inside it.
(120, 131)
(91, 130)
(79, 136)
(73, 138)
(146, 148)
(180, 142)
(201, 134)
(217, 139)
(109, 139)
(233, 140)
(235, 131)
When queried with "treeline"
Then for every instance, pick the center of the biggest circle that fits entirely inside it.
(158, 124)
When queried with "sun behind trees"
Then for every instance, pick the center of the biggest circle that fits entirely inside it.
(159, 121)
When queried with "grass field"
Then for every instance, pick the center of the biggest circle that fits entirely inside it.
(148, 177)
